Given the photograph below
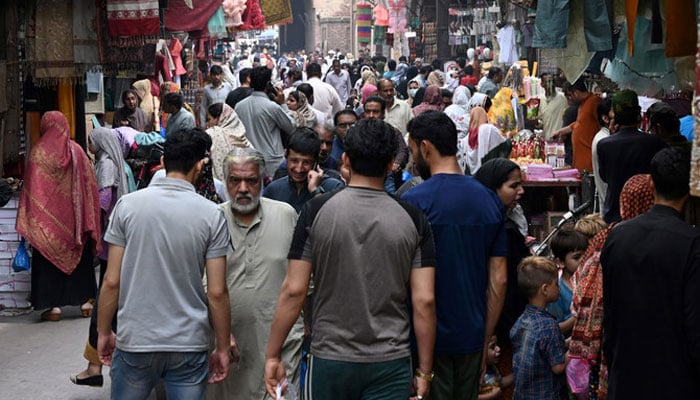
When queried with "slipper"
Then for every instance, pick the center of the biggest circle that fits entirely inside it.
(95, 380)
(49, 316)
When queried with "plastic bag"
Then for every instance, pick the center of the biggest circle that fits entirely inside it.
(21, 261)
(577, 376)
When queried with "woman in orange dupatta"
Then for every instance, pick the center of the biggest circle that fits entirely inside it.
(59, 215)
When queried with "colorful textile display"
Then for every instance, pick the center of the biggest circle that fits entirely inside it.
(133, 17)
(381, 15)
(364, 23)
(233, 12)
(379, 34)
(217, 24)
(253, 17)
(54, 54)
(695, 156)
(180, 17)
(277, 12)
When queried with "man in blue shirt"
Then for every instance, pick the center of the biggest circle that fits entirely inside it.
(470, 241)
(304, 178)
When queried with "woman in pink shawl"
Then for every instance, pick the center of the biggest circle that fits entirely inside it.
(432, 100)
(483, 137)
(59, 215)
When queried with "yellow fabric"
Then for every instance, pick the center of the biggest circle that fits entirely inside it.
(66, 103)
(90, 354)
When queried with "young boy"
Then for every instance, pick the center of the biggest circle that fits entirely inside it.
(568, 246)
(538, 344)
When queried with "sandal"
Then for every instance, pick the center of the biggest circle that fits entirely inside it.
(50, 316)
(87, 312)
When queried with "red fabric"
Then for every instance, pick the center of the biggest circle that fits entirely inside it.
(253, 17)
(175, 48)
(468, 80)
(179, 17)
(59, 210)
(133, 17)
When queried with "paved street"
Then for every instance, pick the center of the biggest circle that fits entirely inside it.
(37, 358)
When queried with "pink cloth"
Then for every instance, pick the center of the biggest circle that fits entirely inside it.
(175, 49)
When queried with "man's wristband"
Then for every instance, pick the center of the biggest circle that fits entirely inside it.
(318, 190)
(422, 375)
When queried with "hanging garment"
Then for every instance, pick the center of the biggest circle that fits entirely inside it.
(133, 18)
(180, 17)
(54, 54)
(277, 12)
(552, 23)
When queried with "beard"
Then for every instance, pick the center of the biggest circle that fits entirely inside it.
(422, 167)
(251, 206)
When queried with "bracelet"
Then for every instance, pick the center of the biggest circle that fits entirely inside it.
(422, 375)
(318, 190)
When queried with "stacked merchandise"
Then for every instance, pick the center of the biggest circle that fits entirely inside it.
(364, 24)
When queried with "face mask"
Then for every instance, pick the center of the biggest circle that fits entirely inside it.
(412, 92)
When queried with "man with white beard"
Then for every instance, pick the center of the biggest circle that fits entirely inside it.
(261, 231)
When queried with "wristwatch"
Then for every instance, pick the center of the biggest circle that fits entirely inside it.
(422, 375)
(318, 190)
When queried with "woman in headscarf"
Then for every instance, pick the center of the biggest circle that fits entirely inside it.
(636, 198)
(483, 137)
(149, 104)
(112, 184)
(59, 215)
(437, 78)
(458, 113)
(503, 177)
(226, 131)
(299, 106)
(413, 89)
(130, 114)
(505, 112)
(432, 100)
(402, 86)
(368, 91)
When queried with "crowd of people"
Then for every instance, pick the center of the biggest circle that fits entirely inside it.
(357, 234)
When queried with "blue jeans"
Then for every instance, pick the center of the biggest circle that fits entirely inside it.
(134, 375)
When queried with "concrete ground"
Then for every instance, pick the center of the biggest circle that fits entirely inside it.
(37, 358)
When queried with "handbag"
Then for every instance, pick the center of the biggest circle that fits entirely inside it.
(21, 260)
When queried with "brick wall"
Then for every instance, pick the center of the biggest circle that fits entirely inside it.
(333, 30)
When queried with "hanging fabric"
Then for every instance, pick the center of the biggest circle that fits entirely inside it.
(133, 18)
(364, 23)
(277, 12)
(54, 54)
(180, 17)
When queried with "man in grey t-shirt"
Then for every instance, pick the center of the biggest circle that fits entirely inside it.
(162, 239)
(369, 252)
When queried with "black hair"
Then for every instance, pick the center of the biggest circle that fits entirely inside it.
(567, 240)
(377, 99)
(403, 59)
(461, 62)
(294, 74)
(184, 148)
(244, 74)
(436, 64)
(259, 78)
(469, 70)
(664, 115)
(425, 69)
(436, 127)
(304, 141)
(370, 145)
(493, 71)
(670, 172)
(343, 112)
(446, 93)
(174, 99)
(392, 65)
(313, 69)
(134, 92)
(216, 109)
(307, 89)
(604, 109)
(216, 70)
(579, 85)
